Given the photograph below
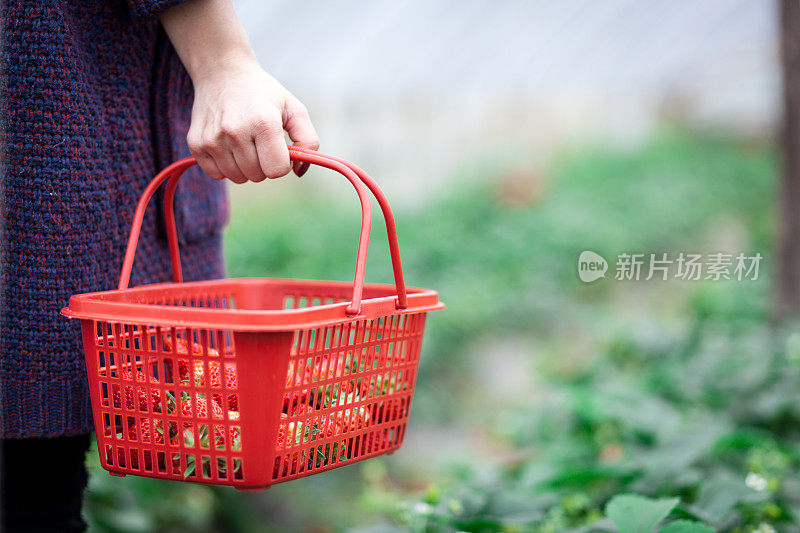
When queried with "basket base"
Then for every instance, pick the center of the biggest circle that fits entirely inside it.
(252, 489)
(117, 474)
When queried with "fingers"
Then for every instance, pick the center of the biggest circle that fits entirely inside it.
(253, 147)
(209, 166)
(198, 149)
(213, 151)
(300, 129)
(246, 158)
(226, 151)
(273, 155)
(224, 140)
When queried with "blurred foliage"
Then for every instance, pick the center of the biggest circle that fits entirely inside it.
(712, 420)
(644, 403)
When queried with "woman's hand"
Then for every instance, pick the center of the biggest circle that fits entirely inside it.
(240, 112)
(239, 115)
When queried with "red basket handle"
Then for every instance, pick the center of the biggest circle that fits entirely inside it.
(354, 174)
(388, 216)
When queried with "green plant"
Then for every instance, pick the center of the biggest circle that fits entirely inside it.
(644, 393)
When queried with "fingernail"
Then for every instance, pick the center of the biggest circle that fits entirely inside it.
(302, 169)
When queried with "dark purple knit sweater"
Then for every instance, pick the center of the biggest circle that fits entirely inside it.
(93, 102)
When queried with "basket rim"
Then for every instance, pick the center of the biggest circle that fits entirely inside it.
(115, 306)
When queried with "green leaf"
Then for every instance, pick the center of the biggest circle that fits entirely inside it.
(170, 402)
(301, 434)
(663, 463)
(632, 513)
(685, 526)
(188, 438)
(720, 495)
(204, 436)
(189, 469)
(221, 466)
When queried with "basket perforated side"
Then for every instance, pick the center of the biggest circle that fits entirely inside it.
(348, 392)
(168, 401)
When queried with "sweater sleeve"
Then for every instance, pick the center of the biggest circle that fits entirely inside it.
(146, 9)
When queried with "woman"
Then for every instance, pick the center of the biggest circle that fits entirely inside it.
(95, 101)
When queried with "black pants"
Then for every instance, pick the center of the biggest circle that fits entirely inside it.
(43, 484)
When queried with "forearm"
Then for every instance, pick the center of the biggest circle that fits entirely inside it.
(207, 35)
(240, 112)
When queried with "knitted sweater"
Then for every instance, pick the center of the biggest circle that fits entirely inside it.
(93, 102)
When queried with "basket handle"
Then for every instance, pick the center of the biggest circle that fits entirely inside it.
(388, 216)
(354, 174)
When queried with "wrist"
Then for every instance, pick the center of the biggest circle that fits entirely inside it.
(222, 63)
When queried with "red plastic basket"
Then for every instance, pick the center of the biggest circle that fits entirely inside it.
(251, 382)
